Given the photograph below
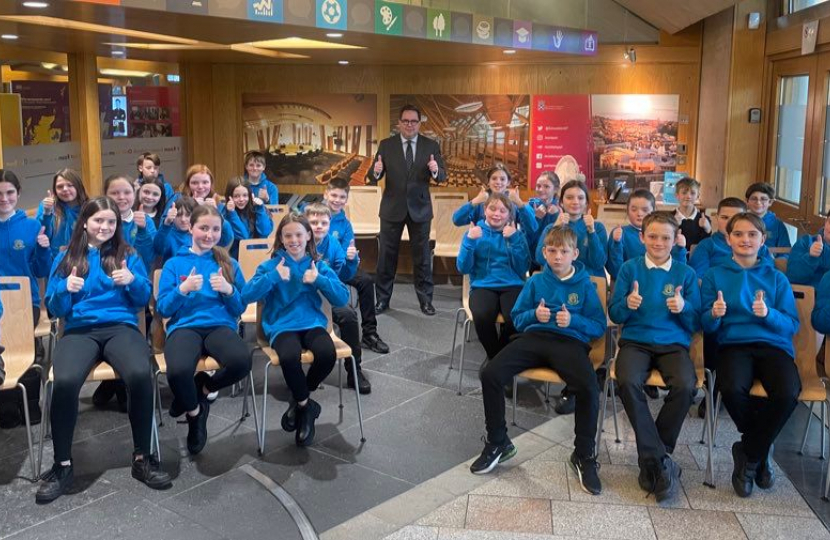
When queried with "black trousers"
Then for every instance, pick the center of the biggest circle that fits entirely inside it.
(76, 353)
(390, 241)
(634, 363)
(346, 319)
(759, 420)
(185, 346)
(289, 346)
(565, 355)
(486, 305)
(365, 285)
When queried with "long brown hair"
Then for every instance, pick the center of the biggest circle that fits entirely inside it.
(248, 214)
(73, 177)
(220, 254)
(113, 251)
(294, 217)
(194, 170)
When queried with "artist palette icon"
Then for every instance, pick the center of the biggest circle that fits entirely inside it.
(483, 29)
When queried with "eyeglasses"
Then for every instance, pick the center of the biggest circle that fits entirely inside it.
(760, 199)
(410, 122)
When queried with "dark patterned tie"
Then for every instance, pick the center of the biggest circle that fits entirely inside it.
(410, 159)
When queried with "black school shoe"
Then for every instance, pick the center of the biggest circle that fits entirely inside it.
(587, 473)
(492, 455)
(652, 391)
(666, 478)
(197, 429)
(305, 422)
(374, 343)
(55, 483)
(363, 384)
(744, 471)
(148, 471)
(289, 417)
(565, 404)
(765, 475)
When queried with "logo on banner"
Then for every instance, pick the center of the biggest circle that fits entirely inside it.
(439, 24)
(263, 8)
(540, 106)
(590, 43)
(522, 34)
(483, 29)
(557, 39)
(388, 19)
(331, 11)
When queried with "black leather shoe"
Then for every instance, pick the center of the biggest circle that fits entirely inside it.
(381, 306)
(765, 476)
(363, 384)
(743, 475)
(427, 309)
(374, 343)
(148, 471)
(289, 417)
(55, 483)
(197, 429)
(305, 422)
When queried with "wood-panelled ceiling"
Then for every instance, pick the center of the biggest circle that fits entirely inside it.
(675, 15)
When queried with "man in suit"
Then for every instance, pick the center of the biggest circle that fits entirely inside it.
(409, 161)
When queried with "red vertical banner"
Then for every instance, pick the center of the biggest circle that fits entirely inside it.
(560, 136)
(153, 111)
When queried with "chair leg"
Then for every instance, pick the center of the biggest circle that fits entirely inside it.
(47, 405)
(823, 430)
(157, 399)
(547, 393)
(826, 467)
(614, 408)
(458, 312)
(264, 411)
(716, 413)
(340, 368)
(357, 397)
(709, 480)
(155, 443)
(461, 359)
(515, 391)
(252, 392)
(807, 429)
(29, 429)
(602, 408)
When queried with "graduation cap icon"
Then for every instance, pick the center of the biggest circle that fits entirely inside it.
(523, 34)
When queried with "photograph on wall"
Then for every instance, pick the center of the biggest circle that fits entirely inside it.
(310, 139)
(153, 111)
(560, 141)
(635, 138)
(474, 131)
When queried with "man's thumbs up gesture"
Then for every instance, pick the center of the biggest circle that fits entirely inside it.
(432, 164)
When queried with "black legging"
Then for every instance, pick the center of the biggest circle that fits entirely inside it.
(485, 305)
(185, 346)
(289, 346)
(76, 353)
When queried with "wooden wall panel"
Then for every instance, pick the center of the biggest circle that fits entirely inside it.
(84, 117)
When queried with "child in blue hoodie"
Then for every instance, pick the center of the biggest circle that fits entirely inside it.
(558, 314)
(750, 308)
(498, 181)
(174, 233)
(810, 258)
(293, 320)
(139, 230)
(657, 301)
(257, 179)
(545, 205)
(591, 235)
(2, 350)
(198, 184)
(97, 286)
(148, 165)
(200, 291)
(496, 257)
(152, 200)
(759, 197)
(344, 265)
(58, 211)
(625, 243)
(821, 312)
(246, 213)
(24, 244)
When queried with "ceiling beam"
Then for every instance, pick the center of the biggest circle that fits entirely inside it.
(675, 15)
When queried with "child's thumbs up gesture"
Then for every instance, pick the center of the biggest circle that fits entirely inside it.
(563, 317)
(680, 239)
(192, 283)
(634, 299)
(283, 271)
(589, 222)
(617, 234)
(540, 211)
(704, 224)
(219, 284)
(42, 239)
(351, 251)
(759, 307)
(310, 275)
(48, 202)
(719, 306)
(73, 282)
(817, 247)
(474, 233)
(122, 276)
(676, 302)
(542, 313)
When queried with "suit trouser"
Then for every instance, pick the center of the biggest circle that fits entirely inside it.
(390, 240)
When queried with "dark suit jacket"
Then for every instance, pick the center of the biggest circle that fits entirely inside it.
(406, 191)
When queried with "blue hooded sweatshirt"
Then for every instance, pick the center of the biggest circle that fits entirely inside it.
(473, 213)
(534, 203)
(270, 187)
(804, 269)
(341, 229)
(579, 296)
(592, 247)
(205, 308)
(821, 312)
(141, 239)
(263, 226)
(293, 306)
(629, 247)
(714, 251)
(100, 301)
(21, 254)
(493, 261)
(740, 325)
(652, 322)
(777, 235)
(334, 256)
(59, 237)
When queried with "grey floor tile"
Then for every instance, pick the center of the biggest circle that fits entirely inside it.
(434, 334)
(535, 479)
(758, 527)
(426, 368)
(677, 524)
(414, 532)
(120, 517)
(446, 533)
(602, 521)
(509, 514)
(619, 486)
(452, 514)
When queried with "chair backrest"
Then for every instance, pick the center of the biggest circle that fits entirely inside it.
(447, 236)
(781, 263)
(252, 253)
(612, 215)
(599, 347)
(17, 334)
(806, 341)
(277, 212)
(780, 250)
(696, 352)
(364, 207)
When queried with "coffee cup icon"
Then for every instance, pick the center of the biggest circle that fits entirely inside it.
(483, 29)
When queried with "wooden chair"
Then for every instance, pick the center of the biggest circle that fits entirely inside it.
(343, 351)
(18, 337)
(364, 210)
(612, 215)
(46, 327)
(252, 253)
(448, 237)
(780, 262)
(277, 212)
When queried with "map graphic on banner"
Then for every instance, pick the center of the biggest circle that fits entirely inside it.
(560, 138)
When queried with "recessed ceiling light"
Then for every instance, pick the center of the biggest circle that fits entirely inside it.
(118, 53)
(509, 51)
(8, 36)
(334, 35)
(36, 5)
(343, 62)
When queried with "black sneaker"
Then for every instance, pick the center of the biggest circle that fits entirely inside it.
(148, 471)
(289, 417)
(586, 470)
(55, 483)
(646, 477)
(652, 391)
(744, 472)
(565, 404)
(197, 429)
(103, 394)
(363, 384)
(666, 478)
(492, 455)
(305, 422)
(374, 343)
(765, 476)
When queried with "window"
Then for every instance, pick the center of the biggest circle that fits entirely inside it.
(791, 6)
(792, 121)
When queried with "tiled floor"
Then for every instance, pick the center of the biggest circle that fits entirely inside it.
(410, 479)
